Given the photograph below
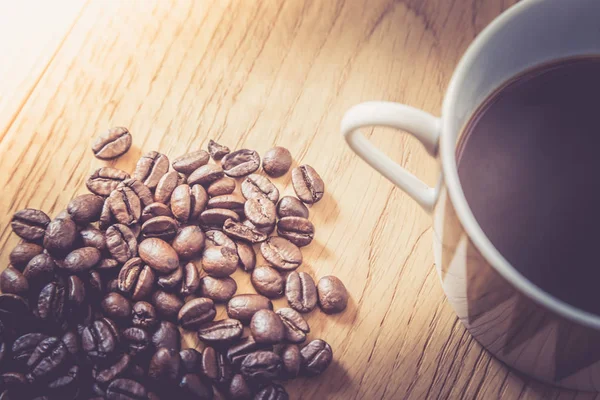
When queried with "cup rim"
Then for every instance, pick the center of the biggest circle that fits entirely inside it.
(457, 196)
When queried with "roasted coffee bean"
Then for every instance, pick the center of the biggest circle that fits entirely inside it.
(215, 366)
(267, 327)
(272, 392)
(30, 224)
(159, 255)
(167, 335)
(112, 371)
(205, 175)
(104, 180)
(164, 228)
(240, 163)
(167, 304)
(234, 202)
(60, 237)
(190, 360)
(333, 296)
(150, 168)
(4, 345)
(188, 163)
(13, 281)
(261, 366)
(24, 252)
(13, 309)
(71, 340)
(116, 307)
(141, 190)
(260, 211)
(136, 279)
(237, 230)
(165, 187)
(239, 389)
(80, 260)
(189, 242)
(191, 280)
(94, 285)
(164, 365)
(214, 218)
(126, 389)
(217, 238)
(255, 186)
(246, 255)
(220, 290)
(92, 237)
(281, 253)
(39, 270)
(277, 161)
(216, 150)
(85, 208)
(24, 346)
(136, 340)
(125, 205)
(290, 206)
(295, 325)
(219, 261)
(267, 230)
(172, 281)
(75, 292)
(143, 315)
(187, 202)
(106, 217)
(100, 339)
(196, 312)
(194, 387)
(155, 210)
(15, 382)
(297, 230)
(47, 359)
(268, 282)
(316, 357)
(121, 243)
(225, 185)
(51, 301)
(222, 331)
(239, 351)
(112, 144)
(307, 183)
(243, 306)
(301, 292)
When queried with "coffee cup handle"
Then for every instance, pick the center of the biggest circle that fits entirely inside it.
(418, 123)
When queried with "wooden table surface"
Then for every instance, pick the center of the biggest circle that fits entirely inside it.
(256, 74)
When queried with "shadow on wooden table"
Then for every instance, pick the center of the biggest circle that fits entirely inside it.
(337, 379)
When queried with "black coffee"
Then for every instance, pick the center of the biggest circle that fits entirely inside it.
(528, 162)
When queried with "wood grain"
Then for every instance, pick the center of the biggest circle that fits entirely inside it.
(254, 74)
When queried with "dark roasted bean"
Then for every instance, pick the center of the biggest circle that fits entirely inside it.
(81, 260)
(164, 365)
(240, 163)
(308, 185)
(22, 253)
(164, 228)
(30, 224)
(60, 237)
(222, 331)
(144, 315)
(100, 339)
(267, 327)
(159, 255)
(191, 280)
(126, 389)
(39, 270)
(281, 253)
(239, 388)
(24, 346)
(167, 304)
(51, 303)
(316, 357)
(194, 387)
(239, 351)
(295, 325)
(92, 237)
(167, 335)
(196, 312)
(333, 296)
(205, 175)
(277, 161)
(237, 230)
(297, 230)
(142, 191)
(75, 292)
(136, 279)
(190, 360)
(261, 366)
(121, 243)
(290, 206)
(165, 187)
(187, 202)
(234, 202)
(216, 150)
(272, 392)
(260, 211)
(254, 186)
(216, 217)
(171, 281)
(104, 180)
(246, 255)
(150, 168)
(106, 217)
(215, 366)
(136, 340)
(112, 144)
(268, 282)
(301, 292)
(47, 359)
(13, 309)
(243, 306)
(116, 307)
(155, 210)
(112, 371)
(188, 163)
(85, 208)
(125, 205)
(188, 242)
(220, 290)
(225, 185)
(13, 281)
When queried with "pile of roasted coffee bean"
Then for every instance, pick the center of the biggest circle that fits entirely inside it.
(94, 299)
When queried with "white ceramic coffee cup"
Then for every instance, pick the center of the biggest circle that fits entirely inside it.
(515, 320)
